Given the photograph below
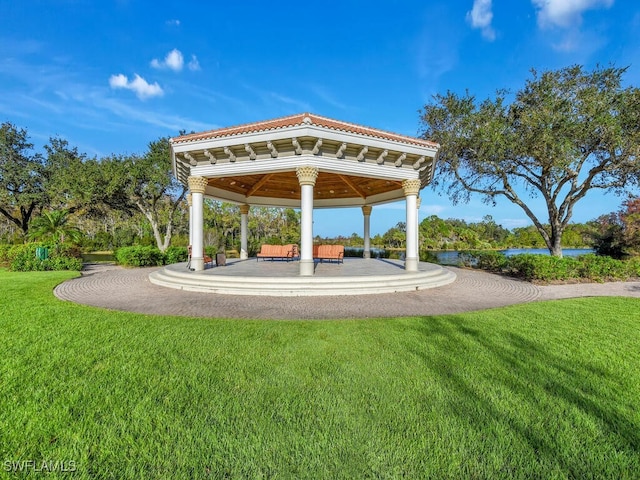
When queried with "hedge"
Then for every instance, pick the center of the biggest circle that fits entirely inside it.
(22, 258)
(546, 268)
(140, 256)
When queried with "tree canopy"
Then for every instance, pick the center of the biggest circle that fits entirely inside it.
(617, 234)
(21, 176)
(565, 133)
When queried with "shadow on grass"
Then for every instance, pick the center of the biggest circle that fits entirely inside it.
(560, 402)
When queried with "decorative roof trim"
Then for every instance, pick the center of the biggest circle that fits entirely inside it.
(300, 120)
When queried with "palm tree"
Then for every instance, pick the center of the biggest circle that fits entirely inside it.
(55, 226)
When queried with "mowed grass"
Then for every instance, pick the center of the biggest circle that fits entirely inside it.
(543, 390)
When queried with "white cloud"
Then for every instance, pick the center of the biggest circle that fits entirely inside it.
(139, 85)
(193, 64)
(433, 209)
(565, 13)
(173, 61)
(174, 22)
(481, 16)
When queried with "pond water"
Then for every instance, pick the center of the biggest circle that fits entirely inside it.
(448, 257)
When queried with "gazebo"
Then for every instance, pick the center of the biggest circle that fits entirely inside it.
(303, 161)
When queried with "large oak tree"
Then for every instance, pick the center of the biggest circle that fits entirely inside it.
(565, 133)
(143, 183)
(22, 189)
(31, 183)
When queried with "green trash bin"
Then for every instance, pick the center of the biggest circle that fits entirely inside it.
(42, 253)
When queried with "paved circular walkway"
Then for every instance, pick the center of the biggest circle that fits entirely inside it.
(117, 288)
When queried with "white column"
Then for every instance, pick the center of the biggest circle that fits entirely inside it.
(411, 189)
(197, 186)
(307, 179)
(244, 228)
(190, 202)
(366, 212)
(418, 201)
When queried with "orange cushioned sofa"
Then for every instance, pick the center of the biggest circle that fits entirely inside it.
(329, 252)
(280, 252)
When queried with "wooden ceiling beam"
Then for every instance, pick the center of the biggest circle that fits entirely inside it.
(259, 184)
(353, 186)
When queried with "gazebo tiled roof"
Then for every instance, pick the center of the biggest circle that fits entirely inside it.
(299, 120)
(256, 163)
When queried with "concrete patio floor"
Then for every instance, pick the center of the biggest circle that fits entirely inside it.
(118, 288)
(354, 276)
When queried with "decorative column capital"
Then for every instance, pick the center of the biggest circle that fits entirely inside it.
(366, 210)
(307, 175)
(189, 201)
(197, 184)
(411, 187)
(244, 209)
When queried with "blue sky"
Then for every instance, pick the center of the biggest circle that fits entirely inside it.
(111, 76)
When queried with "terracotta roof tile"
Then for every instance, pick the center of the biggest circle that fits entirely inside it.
(301, 119)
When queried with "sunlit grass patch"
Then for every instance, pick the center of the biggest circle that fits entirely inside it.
(533, 391)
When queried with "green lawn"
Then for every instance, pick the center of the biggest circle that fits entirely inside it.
(544, 390)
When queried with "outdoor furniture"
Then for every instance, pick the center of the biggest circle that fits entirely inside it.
(278, 252)
(328, 252)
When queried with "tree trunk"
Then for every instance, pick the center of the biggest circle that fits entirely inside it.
(156, 234)
(556, 247)
(555, 241)
(167, 237)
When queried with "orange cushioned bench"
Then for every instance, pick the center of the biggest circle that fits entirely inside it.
(329, 252)
(286, 252)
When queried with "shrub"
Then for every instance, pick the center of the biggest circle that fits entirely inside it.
(543, 267)
(600, 268)
(139, 256)
(22, 258)
(489, 260)
(176, 255)
(5, 250)
(523, 266)
(633, 267)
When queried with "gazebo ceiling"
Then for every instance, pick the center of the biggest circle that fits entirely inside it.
(285, 185)
(256, 163)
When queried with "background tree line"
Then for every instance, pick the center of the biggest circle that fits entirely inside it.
(104, 204)
(565, 133)
(116, 201)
